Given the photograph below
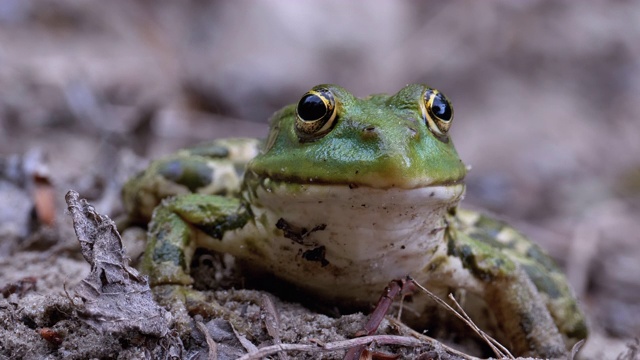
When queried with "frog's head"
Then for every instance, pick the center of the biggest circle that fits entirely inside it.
(377, 174)
(381, 141)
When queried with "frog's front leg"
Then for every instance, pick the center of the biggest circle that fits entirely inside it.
(520, 310)
(175, 227)
(178, 225)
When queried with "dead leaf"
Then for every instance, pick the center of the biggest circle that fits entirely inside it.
(116, 296)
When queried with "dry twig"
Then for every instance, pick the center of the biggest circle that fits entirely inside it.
(271, 321)
(213, 347)
(334, 346)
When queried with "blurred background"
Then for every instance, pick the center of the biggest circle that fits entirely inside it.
(546, 98)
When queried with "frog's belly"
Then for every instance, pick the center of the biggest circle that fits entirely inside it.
(364, 237)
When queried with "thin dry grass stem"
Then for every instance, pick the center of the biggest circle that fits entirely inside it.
(213, 347)
(333, 346)
(575, 349)
(248, 345)
(399, 316)
(66, 292)
(498, 349)
(271, 321)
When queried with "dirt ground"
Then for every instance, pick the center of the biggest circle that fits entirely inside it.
(546, 114)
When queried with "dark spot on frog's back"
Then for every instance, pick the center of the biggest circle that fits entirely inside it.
(469, 260)
(192, 173)
(534, 252)
(542, 280)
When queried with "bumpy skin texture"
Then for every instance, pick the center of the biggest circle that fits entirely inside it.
(371, 197)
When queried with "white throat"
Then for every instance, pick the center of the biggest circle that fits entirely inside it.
(370, 236)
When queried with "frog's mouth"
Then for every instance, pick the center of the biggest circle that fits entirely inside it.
(354, 195)
(374, 180)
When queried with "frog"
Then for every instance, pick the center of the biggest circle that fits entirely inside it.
(345, 195)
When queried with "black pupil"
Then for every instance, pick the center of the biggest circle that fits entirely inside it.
(440, 107)
(311, 108)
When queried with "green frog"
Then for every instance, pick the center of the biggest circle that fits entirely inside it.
(344, 195)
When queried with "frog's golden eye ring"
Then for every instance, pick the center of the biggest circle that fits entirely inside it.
(437, 111)
(315, 114)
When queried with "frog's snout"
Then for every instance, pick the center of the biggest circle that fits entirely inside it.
(373, 132)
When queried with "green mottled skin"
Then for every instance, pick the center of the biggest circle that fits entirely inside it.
(539, 267)
(331, 216)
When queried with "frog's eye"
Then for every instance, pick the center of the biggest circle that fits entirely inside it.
(315, 114)
(437, 111)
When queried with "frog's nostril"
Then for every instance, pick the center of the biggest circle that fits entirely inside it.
(369, 132)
